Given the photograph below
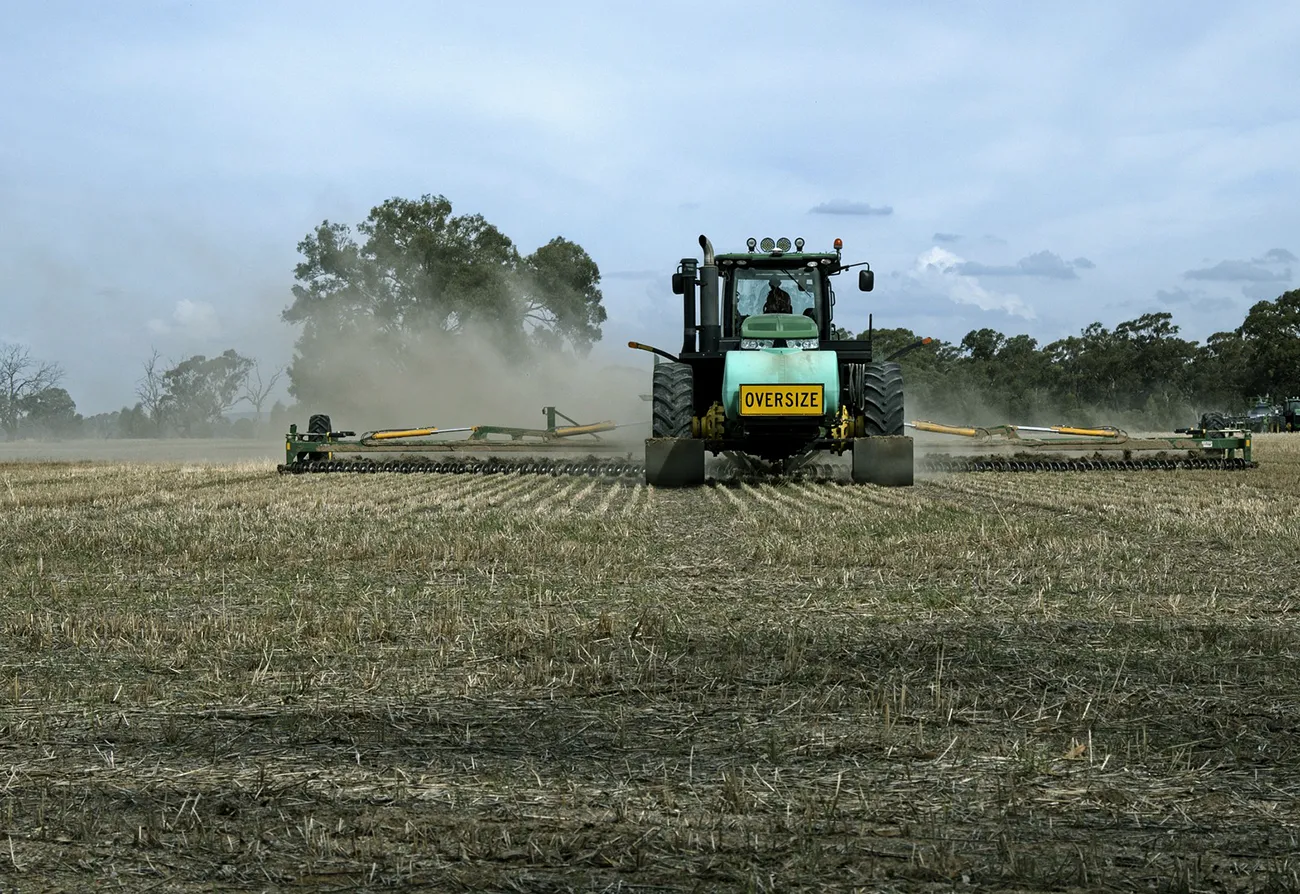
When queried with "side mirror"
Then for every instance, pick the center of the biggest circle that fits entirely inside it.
(679, 284)
(866, 280)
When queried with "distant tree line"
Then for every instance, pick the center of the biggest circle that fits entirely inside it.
(190, 398)
(1140, 370)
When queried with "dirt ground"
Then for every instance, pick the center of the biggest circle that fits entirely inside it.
(212, 676)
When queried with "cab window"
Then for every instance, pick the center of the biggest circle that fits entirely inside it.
(755, 291)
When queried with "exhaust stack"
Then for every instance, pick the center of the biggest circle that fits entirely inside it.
(710, 313)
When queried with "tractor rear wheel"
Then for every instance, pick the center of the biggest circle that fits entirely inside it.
(319, 424)
(882, 399)
(1214, 421)
(673, 400)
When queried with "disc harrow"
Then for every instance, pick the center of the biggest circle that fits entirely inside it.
(1072, 464)
(593, 468)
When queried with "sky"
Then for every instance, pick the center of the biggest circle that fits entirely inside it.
(1027, 168)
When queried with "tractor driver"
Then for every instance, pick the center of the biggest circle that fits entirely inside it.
(778, 299)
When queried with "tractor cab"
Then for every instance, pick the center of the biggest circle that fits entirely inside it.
(770, 280)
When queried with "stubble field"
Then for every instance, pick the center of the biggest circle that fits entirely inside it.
(214, 676)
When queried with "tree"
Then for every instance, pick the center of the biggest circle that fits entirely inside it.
(20, 377)
(1157, 363)
(983, 345)
(423, 272)
(255, 391)
(152, 391)
(1220, 370)
(200, 391)
(50, 412)
(562, 294)
(1271, 332)
(134, 422)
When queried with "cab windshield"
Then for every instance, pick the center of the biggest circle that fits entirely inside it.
(758, 291)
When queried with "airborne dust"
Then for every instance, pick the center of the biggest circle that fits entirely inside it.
(474, 378)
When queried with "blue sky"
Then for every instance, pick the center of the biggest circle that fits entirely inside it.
(1029, 170)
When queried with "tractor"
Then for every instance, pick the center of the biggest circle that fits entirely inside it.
(1291, 412)
(1265, 416)
(762, 378)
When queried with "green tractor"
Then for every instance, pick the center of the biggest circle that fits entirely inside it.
(761, 377)
(1291, 413)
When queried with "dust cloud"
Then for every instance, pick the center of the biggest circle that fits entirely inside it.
(472, 378)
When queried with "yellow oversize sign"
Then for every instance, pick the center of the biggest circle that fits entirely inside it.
(782, 400)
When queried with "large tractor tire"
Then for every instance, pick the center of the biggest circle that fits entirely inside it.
(882, 399)
(672, 400)
(318, 424)
(673, 458)
(1214, 421)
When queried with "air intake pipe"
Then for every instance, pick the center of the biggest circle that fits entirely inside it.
(688, 271)
(710, 330)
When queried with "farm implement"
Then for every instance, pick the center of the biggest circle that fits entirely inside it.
(766, 384)
(1027, 448)
(558, 449)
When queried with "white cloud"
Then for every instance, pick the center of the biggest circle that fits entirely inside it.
(939, 271)
(189, 319)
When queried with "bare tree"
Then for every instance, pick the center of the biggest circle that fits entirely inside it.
(152, 390)
(256, 392)
(21, 376)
